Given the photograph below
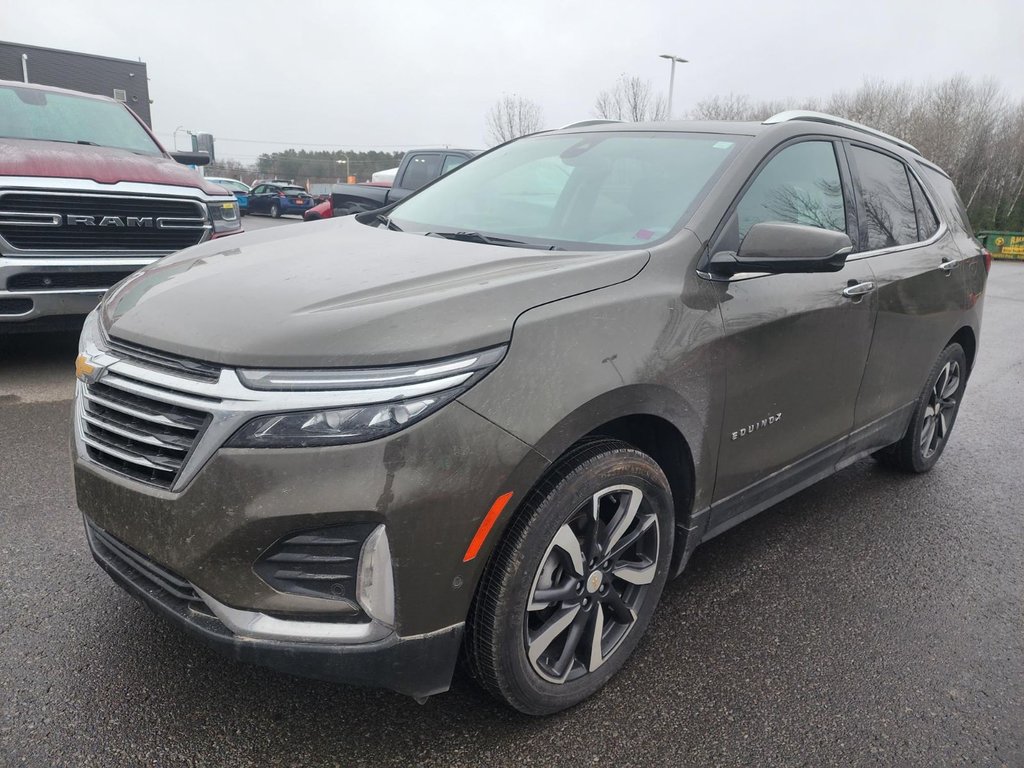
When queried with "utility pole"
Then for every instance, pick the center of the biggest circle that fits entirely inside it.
(672, 77)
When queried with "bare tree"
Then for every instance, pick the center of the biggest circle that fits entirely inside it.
(632, 100)
(512, 116)
(971, 129)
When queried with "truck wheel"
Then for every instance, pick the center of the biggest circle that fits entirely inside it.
(275, 211)
(934, 416)
(571, 588)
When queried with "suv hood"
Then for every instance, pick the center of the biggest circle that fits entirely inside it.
(105, 165)
(338, 293)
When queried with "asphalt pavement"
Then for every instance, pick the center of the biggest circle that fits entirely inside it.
(872, 620)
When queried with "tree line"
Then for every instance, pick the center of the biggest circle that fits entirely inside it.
(973, 130)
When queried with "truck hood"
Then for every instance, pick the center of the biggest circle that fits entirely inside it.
(104, 165)
(338, 293)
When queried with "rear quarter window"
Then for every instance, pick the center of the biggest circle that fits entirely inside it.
(955, 212)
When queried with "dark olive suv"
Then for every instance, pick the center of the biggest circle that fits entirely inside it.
(495, 418)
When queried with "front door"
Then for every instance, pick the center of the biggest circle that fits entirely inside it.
(795, 344)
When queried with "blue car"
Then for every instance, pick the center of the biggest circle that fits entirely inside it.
(272, 199)
(240, 189)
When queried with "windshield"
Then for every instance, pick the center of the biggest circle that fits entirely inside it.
(27, 113)
(591, 190)
(293, 190)
(231, 185)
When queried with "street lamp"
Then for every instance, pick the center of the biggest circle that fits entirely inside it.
(671, 77)
(348, 168)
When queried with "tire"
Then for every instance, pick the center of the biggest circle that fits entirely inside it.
(517, 638)
(927, 435)
(275, 211)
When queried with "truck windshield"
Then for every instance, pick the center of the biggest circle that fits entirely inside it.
(28, 113)
(599, 190)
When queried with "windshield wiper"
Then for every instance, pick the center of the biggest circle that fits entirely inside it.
(387, 222)
(479, 237)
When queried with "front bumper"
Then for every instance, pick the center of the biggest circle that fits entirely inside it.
(416, 666)
(75, 285)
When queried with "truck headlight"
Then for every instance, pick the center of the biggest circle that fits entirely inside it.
(224, 216)
(371, 403)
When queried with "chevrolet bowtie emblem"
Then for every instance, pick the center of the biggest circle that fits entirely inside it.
(83, 368)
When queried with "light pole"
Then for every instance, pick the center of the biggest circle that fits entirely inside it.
(348, 168)
(671, 77)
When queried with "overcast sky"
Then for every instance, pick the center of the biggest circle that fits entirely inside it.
(333, 75)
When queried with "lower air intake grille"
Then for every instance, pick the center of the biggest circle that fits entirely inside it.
(64, 281)
(137, 436)
(318, 563)
(125, 557)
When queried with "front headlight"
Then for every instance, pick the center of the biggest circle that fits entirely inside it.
(224, 216)
(371, 403)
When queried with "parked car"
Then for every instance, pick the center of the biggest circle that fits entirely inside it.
(87, 196)
(498, 417)
(416, 170)
(278, 200)
(238, 188)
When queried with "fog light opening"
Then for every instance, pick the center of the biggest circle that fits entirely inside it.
(375, 582)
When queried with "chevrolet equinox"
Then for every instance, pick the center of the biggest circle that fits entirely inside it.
(493, 419)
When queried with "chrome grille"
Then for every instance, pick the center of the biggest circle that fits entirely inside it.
(161, 361)
(137, 436)
(27, 222)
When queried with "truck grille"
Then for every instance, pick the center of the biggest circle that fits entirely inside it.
(63, 281)
(27, 222)
(137, 436)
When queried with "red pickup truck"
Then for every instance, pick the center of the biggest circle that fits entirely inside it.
(88, 196)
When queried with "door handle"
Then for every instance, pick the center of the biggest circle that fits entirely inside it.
(858, 289)
(948, 265)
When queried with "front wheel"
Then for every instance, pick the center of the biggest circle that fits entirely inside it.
(275, 211)
(573, 584)
(934, 416)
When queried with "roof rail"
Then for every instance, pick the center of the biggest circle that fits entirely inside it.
(821, 117)
(585, 123)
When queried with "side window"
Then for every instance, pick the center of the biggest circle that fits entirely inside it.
(451, 162)
(420, 170)
(887, 216)
(927, 222)
(943, 187)
(258, 190)
(800, 185)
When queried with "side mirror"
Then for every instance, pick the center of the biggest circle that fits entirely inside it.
(778, 247)
(191, 158)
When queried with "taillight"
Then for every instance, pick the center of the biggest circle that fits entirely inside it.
(988, 259)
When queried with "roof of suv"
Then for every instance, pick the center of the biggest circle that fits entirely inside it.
(785, 123)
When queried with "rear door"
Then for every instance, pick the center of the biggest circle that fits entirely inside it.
(795, 344)
(421, 168)
(921, 291)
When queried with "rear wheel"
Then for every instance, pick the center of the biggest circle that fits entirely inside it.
(574, 582)
(275, 211)
(934, 416)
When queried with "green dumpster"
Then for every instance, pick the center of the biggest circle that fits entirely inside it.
(1004, 245)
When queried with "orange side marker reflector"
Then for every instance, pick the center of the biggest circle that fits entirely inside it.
(485, 526)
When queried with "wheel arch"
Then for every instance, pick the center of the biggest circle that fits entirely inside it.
(967, 339)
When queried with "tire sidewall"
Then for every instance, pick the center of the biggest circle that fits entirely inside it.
(625, 467)
(954, 352)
